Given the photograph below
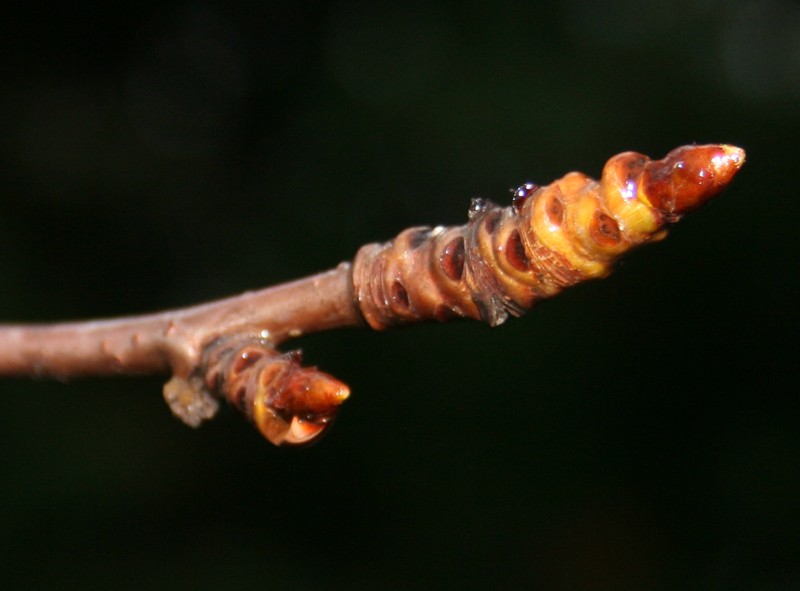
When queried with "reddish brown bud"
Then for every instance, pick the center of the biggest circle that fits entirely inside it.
(288, 403)
(689, 176)
(504, 260)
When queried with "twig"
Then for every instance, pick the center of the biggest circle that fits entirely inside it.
(174, 340)
(500, 263)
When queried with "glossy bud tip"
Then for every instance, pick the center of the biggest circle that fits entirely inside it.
(689, 176)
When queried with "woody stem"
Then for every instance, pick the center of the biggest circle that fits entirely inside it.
(156, 343)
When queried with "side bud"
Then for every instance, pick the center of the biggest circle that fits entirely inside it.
(289, 404)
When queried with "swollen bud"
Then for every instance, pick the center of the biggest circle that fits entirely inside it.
(689, 176)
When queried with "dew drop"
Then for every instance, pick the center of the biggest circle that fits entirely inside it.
(477, 206)
(522, 194)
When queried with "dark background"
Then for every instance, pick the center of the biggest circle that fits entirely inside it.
(635, 433)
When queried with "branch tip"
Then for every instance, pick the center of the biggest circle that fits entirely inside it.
(499, 264)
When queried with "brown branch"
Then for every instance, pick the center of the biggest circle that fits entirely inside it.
(174, 340)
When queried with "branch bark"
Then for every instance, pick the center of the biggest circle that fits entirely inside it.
(174, 340)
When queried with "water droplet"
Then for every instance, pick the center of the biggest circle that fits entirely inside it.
(477, 206)
(522, 194)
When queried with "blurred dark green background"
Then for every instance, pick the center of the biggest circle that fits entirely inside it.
(635, 433)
